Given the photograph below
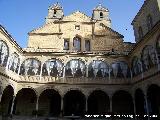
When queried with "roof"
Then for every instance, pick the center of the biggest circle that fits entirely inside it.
(56, 6)
(100, 8)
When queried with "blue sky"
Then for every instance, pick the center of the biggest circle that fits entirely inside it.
(21, 16)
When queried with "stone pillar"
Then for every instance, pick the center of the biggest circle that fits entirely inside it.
(41, 70)
(0, 97)
(134, 104)
(64, 70)
(109, 73)
(20, 65)
(131, 74)
(142, 69)
(86, 108)
(61, 114)
(86, 71)
(12, 105)
(110, 103)
(146, 104)
(7, 62)
(157, 60)
(37, 106)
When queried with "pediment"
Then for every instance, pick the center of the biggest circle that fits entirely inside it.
(46, 29)
(78, 17)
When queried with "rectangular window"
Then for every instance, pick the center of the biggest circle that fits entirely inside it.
(77, 27)
(66, 44)
(87, 45)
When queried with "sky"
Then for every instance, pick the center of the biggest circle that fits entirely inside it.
(21, 16)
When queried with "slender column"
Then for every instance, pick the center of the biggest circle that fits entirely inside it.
(61, 114)
(109, 73)
(0, 97)
(37, 106)
(12, 105)
(86, 71)
(146, 104)
(19, 68)
(134, 104)
(86, 105)
(20, 65)
(157, 60)
(7, 62)
(142, 69)
(1, 92)
(41, 71)
(131, 74)
(110, 101)
(64, 70)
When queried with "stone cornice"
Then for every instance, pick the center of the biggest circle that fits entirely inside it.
(140, 11)
(12, 40)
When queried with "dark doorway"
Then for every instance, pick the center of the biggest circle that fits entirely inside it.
(49, 103)
(74, 103)
(6, 101)
(25, 102)
(153, 94)
(139, 102)
(122, 103)
(98, 102)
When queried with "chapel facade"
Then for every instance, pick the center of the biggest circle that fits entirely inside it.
(77, 64)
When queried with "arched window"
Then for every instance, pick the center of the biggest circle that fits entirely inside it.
(136, 66)
(4, 52)
(98, 68)
(52, 67)
(75, 68)
(120, 70)
(55, 12)
(140, 32)
(158, 47)
(77, 43)
(13, 63)
(87, 45)
(101, 14)
(149, 22)
(149, 57)
(30, 66)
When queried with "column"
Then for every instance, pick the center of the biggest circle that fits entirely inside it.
(134, 104)
(131, 74)
(61, 114)
(157, 60)
(86, 71)
(142, 69)
(20, 65)
(12, 105)
(7, 62)
(0, 97)
(110, 103)
(37, 106)
(86, 110)
(41, 70)
(64, 70)
(146, 104)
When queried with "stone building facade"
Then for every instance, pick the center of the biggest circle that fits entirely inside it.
(79, 65)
